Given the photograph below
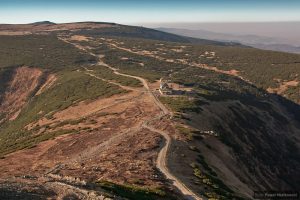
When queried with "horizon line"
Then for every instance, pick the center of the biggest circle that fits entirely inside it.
(138, 23)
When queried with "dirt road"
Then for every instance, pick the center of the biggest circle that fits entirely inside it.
(161, 162)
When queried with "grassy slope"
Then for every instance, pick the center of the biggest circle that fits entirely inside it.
(52, 55)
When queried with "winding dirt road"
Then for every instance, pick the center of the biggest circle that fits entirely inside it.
(161, 162)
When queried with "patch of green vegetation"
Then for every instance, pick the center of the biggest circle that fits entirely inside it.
(134, 192)
(181, 104)
(44, 51)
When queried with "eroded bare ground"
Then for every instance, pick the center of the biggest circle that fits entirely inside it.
(284, 85)
(22, 84)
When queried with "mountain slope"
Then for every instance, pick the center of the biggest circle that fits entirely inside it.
(92, 122)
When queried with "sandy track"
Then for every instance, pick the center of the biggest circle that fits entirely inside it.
(162, 166)
(161, 162)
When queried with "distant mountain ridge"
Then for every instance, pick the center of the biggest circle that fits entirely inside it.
(105, 28)
(261, 42)
(44, 23)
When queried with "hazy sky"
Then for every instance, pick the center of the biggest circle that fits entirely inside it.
(141, 11)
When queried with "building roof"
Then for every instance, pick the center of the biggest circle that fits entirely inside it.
(164, 86)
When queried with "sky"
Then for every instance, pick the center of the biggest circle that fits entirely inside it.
(149, 11)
